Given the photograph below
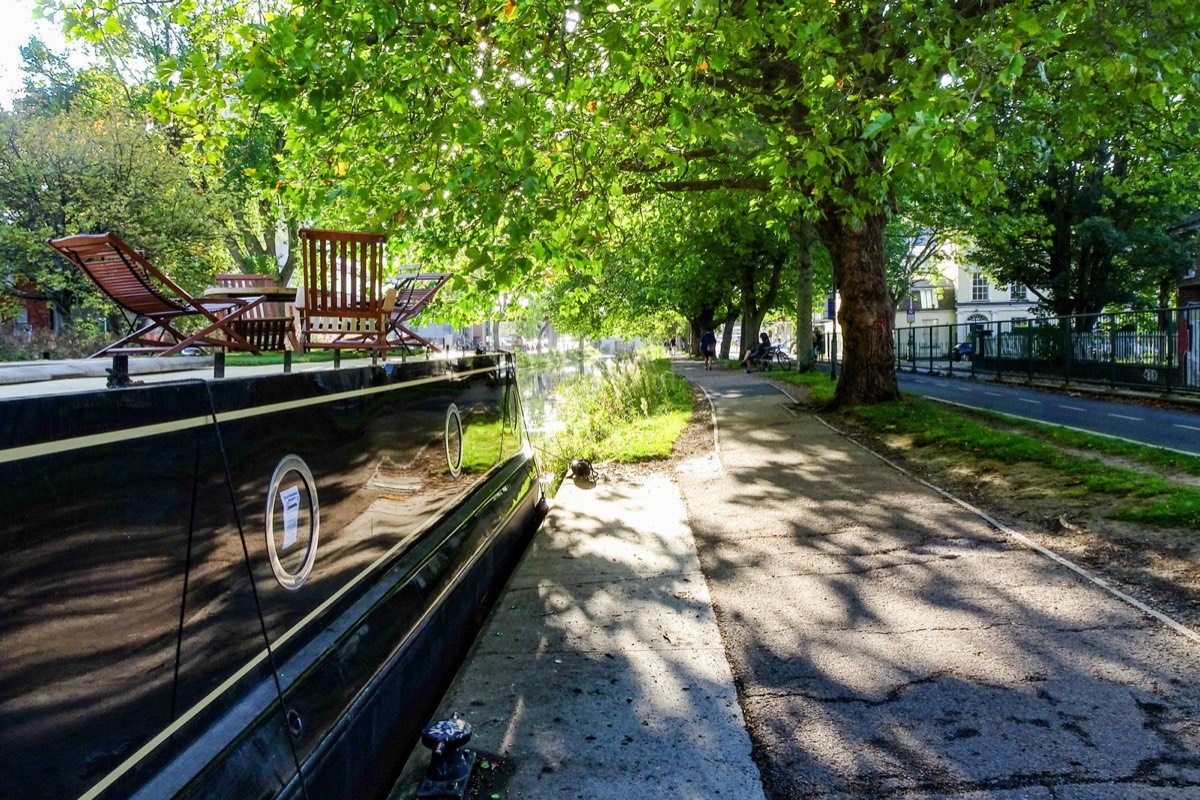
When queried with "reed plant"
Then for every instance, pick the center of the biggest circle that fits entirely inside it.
(631, 409)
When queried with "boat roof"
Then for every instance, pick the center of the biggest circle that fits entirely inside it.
(39, 378)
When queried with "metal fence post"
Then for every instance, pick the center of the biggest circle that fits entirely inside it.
(1172, 345)
(1029, 350)
(1112, 353)
(976, 349)
(833, 356)
(999, 363)
(930, 330)
(1065, 323)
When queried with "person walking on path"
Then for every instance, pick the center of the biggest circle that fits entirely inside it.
(708, 348)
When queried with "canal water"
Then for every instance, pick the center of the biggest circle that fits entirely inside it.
(540, 394)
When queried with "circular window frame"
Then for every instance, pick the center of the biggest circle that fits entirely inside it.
(288, 580)
(454, 461)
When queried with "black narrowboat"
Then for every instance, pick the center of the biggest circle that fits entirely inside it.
(253, 587)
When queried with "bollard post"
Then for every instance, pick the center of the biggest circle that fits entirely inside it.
(118, 373)
(450, 765)
(287, 361)
(219, 365)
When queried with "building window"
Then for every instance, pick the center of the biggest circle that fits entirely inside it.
(979, 286)
(1018, 294)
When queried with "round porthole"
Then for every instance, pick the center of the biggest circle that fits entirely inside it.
(454, 440)
(293, 522)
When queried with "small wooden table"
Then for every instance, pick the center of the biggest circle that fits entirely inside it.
(246, 319)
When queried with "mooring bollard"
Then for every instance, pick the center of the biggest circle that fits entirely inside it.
(449, 765)
(118, 373)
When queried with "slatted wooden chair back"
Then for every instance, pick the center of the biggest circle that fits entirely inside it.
(343, 303)
(267, 325)
(414, 292)
(151, 300)
(124, 275)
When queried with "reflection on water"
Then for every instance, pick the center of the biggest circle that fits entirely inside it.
(540, 396)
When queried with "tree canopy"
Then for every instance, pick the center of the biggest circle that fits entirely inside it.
(502, 134)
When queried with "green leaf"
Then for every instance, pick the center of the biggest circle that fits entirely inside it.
(877, 123)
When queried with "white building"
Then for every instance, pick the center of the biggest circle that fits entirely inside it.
(981, 300)
(956, 293)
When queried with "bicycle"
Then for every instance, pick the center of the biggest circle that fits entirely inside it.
(777, 354)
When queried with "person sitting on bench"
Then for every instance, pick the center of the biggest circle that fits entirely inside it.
(758, 353)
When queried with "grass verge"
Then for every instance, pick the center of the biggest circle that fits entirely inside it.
(1032, 455)
(633, 409)
(819, 384)
(995, 443)
(1145, 498)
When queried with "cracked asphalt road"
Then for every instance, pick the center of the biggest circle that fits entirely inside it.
(885, 642)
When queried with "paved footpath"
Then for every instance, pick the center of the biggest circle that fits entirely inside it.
(889, 643)
(600, 673)
(855, 632)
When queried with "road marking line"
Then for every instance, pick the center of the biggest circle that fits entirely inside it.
(1026, 400)
(1188, 427)
(964, 388)
(1122, 416)
(1025, 540)
(1074, 408)
(994, 394)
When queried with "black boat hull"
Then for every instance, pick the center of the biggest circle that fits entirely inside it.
(252, 587)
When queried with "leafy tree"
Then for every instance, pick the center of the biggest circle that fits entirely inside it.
(504, 132)
(1084, 231)
(148, 44)
(1096, 159)
(76, 172)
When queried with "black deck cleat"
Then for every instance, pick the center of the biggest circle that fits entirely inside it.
(450, 765)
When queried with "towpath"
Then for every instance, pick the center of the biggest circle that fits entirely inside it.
(883, 641)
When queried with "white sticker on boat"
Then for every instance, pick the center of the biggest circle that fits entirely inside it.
(291, 513)
(292, 490)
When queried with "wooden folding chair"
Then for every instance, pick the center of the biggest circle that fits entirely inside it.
(342, 304)
(267, 324)
(143, 291)
(414, 291)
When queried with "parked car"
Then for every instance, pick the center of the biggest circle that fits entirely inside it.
(962, 351)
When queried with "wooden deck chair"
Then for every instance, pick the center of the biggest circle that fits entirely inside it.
(267, 325)
(414, 291)
(152, 300)
(342, 304)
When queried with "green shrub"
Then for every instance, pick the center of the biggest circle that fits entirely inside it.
(631, 409)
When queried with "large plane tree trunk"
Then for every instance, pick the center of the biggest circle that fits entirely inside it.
(727, 338)
(868, 368)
